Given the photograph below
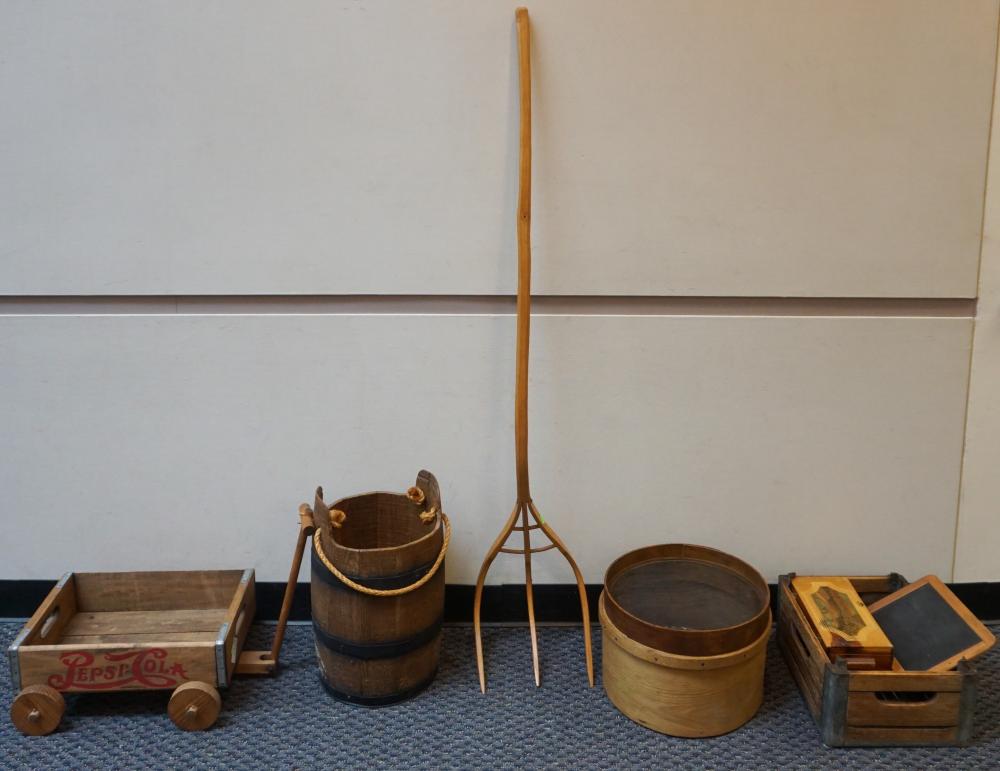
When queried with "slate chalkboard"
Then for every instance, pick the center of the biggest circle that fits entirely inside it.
(929, 627)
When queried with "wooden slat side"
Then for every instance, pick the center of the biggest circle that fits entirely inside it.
(143, 622)
(803, 679)
(137, 639)
(118, 667)
(865, 708)
(966, 712)
(813, 648)
(799, 660)
(833, 720)
(157, 590)
(99, 648)
(906, 681)
(57, 610)
(239, 617)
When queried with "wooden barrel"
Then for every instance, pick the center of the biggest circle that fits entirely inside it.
(378, 592)
(685, 631)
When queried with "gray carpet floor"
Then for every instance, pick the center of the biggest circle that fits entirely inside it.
(288, 721)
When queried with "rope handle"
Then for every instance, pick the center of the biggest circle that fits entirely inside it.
(387, 592)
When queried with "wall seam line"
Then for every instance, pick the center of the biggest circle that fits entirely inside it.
(632, 305)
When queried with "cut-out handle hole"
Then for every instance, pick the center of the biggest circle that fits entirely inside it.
(50, 621)
(905, 697)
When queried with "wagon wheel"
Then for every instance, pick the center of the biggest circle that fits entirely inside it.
(194, 706)
(37, 710)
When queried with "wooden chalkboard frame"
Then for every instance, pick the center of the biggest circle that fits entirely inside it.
(986, 638)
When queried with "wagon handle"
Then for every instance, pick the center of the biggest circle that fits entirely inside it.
(265, 662)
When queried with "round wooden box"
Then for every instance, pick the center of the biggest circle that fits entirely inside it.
(699, 671)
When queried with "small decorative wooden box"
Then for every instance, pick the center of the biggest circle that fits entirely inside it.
(873, 708)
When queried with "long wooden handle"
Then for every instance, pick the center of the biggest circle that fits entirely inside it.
(266, 662)
(306, 528)
(523, 257)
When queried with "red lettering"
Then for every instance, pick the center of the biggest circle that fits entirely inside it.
(144, 668)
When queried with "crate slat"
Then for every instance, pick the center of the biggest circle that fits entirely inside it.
(89, 640)
(867, 709)
(156, 590)
(120, 667)
(142, 622)
(905, 681)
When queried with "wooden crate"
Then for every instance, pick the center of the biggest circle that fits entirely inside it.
(101, 632)
(873, 708)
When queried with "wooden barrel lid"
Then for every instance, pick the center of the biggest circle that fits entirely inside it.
(686, 599)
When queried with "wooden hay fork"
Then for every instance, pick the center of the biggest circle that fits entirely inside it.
(524, 508)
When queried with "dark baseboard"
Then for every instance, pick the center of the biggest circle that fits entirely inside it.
(981, 597)
(554, 603)
(19, 599)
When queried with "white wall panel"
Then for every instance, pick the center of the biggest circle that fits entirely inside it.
(811, 444)
(703, 147)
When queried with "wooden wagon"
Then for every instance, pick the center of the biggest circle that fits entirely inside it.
(99, 632)
(178, 630)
